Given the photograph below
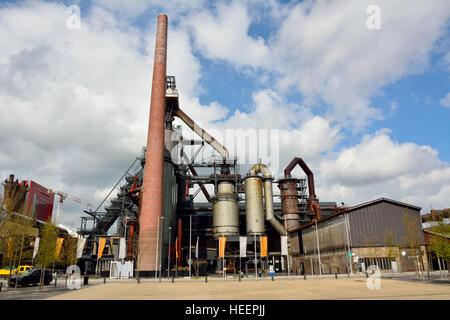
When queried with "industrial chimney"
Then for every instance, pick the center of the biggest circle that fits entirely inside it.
(152, 196)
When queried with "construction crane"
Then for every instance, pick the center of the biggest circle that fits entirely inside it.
(62, 196)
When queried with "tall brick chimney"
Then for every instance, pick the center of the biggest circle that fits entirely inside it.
(152, 196)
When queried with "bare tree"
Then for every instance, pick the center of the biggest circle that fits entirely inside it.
(412, 232)
(392, 252)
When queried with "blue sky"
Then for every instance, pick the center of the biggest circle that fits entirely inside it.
(365, 108)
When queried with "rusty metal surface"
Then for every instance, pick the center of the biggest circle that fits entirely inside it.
(308, 172)
(313, 202)
(289, 202)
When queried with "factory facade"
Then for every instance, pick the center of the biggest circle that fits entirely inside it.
(166, 228)
(383, 232)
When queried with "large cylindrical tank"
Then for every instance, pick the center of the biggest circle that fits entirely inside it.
(225, 210)
(254, 205)
(289, 202)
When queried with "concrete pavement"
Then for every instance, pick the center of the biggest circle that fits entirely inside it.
(298, 289)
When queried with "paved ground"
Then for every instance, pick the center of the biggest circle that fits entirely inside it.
(326, 288)
(33, 293)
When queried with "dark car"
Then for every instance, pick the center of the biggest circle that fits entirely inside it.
(32, 277)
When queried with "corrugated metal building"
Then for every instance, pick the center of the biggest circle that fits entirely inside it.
(373, 232)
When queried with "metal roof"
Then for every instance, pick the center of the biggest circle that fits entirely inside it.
(359, 206)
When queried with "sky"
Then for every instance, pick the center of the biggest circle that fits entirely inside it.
(362, 94)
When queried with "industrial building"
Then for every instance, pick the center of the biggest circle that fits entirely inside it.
(166, 229)
(29, 198)
(377, 232)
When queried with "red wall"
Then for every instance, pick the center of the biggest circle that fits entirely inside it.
(44, 202)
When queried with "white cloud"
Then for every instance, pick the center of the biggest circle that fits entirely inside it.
(445, 101)
(224, 35)
(380, 167)
(324, 49)
(77, 101)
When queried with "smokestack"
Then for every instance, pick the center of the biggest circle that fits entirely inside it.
(151, 208)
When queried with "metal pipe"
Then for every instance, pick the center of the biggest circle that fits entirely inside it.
(268, 196)
(313, 201)
(202, 133)
(180, 239)
(130, 240)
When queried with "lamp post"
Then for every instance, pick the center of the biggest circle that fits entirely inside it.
(190, 244)
(160, 245)
(318, 249)
(168, 259)
(348, 242)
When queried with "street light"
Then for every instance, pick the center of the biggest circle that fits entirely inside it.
(160, 247)
(168, 259)
(318, 249)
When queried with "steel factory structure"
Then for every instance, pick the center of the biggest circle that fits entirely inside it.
(166, 229)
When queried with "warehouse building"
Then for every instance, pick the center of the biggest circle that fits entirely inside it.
(381, 232)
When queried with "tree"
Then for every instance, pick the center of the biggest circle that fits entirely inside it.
(392, 252)
(439, 243)
(68, 252)
(47, 247)
(18, 231)
(412, 236)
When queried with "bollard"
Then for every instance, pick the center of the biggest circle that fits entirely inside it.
(1, 284)
(335, 275)
(55, 281)
(206, 278)
(348, 275)
(239, 278)
(104, 280)
(86, 280)
(304, 276)
(173, 278)
(428, 272)
(367, 275)
(272, 278)
(139, 279)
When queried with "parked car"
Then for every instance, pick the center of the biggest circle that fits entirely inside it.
(32, 277)
(6, 271)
